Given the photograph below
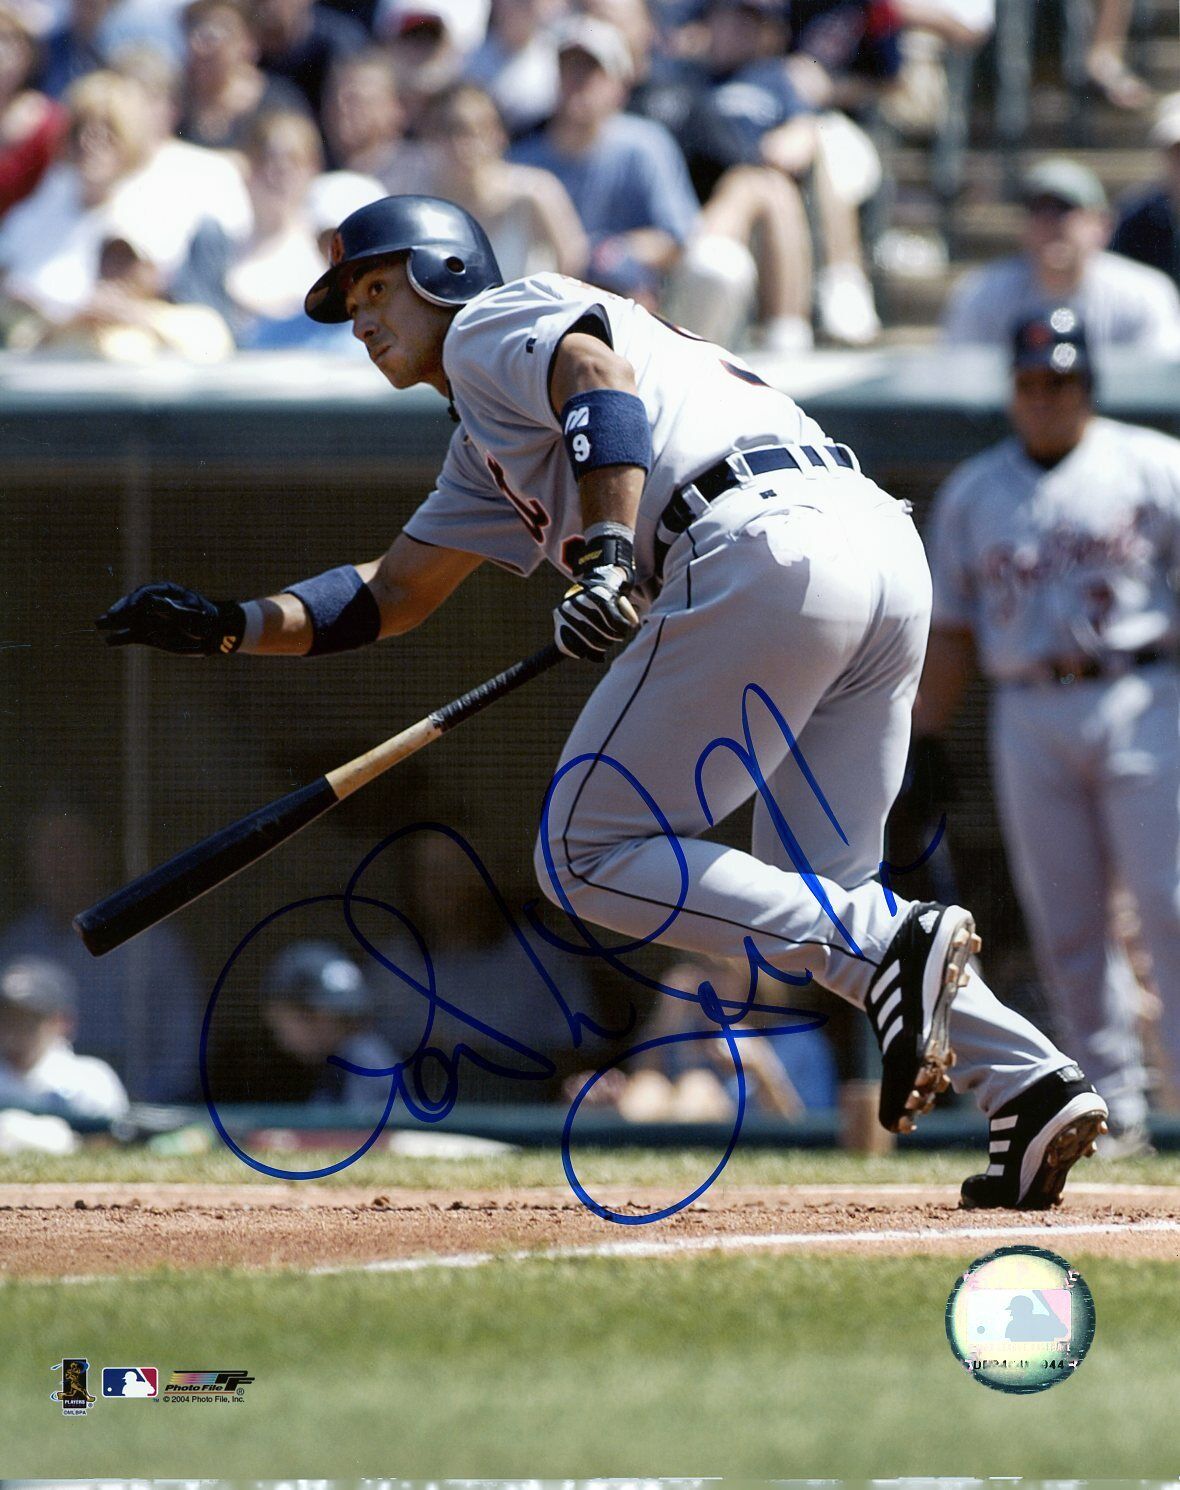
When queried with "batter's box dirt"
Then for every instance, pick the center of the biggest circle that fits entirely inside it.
(45, 1229)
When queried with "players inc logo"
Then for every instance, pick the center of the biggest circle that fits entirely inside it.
(1020, 1319)
(72, 1394)
(206, 1386)
(130, 1382)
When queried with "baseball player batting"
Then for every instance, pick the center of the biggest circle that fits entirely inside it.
(701, 518)
(1054, 556)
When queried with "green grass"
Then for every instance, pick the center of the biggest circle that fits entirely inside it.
(543, 1167)
(786, 1366)
(783, 1367)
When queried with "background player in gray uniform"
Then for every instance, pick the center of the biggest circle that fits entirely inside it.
(1054, 556)
(763, 586)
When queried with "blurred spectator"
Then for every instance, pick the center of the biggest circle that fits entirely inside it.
(525, 211)
(464, 22)
(476, 966)
(264, 276)
(300, 40)
(1148, 227)
(916, 103)
(960, 23)
(75, 48)
(39, 1071)
(1106, 65)
(49, 243)
(429, 41)
(224, 88)
(128, 318)
(733, 110)
(364, 11)
(144, 23)
(625, 175)
(331, 198)
(31, 125)
(181, 185)
(315, 1004)
(689, 1079)
(517, 62)
(1122, 304)
(363, 119)
(843, 51)
(633, 20)
(154, 973)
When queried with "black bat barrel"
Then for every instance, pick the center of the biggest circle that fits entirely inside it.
(189, 875)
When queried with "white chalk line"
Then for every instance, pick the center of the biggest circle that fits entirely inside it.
(671, 1247)
(772, 1241)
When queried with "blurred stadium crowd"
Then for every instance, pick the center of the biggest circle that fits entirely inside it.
(172, 172)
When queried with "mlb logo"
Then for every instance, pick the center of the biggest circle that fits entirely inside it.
(1017, 1315)
(130, 1381)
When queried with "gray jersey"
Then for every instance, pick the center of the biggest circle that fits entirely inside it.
(1121, 303)
(1044, 564)
(507, 491)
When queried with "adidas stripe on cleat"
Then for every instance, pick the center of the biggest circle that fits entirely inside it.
(908, 1004)
(1034, 1141)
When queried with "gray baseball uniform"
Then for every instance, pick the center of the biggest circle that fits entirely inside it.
(1122, 304)
(1057, 573)
(786, 570)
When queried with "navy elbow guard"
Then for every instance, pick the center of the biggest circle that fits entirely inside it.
(342, 610)
(606, 427)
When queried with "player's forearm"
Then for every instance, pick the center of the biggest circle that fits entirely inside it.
(280, 625)
(276, 627)
(611, 495)
(950, 665)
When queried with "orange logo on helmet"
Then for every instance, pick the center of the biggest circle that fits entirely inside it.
(336, 249)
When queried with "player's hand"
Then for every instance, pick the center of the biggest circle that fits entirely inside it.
(173, 619)
(594, 612)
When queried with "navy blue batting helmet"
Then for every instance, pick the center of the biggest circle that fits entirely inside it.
(1055, 339)
(449, 259)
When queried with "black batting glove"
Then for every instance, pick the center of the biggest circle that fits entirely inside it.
(594, 612)
(173, 619)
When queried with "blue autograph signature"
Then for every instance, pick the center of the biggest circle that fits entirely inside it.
(428, 1080)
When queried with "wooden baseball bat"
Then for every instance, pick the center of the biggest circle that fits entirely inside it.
(188, 875)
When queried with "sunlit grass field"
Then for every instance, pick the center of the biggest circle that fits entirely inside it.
(531, 1167)
(797, 1366)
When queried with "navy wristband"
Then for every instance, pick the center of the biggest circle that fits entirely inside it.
(343, 613)
(606, 427)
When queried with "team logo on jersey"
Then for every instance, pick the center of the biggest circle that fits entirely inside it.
(72, 1394)
(530, 511)
(1020, 1319)
(130, 1381)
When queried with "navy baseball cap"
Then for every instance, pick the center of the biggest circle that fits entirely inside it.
(318, 976)
(1055, 339)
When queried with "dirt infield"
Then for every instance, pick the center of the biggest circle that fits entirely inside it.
(129, 1228)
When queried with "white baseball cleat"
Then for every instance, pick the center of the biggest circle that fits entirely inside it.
(909, 1004)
